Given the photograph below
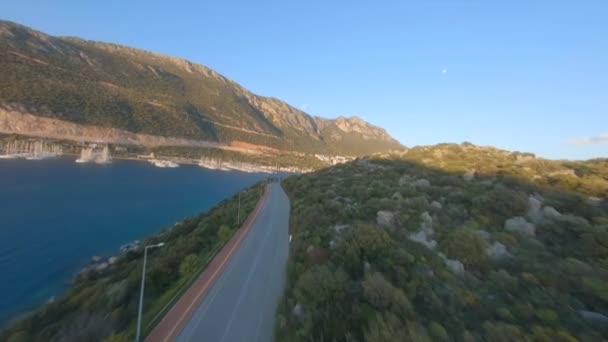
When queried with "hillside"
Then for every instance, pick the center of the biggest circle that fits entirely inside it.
(448, 243)
(107, 86)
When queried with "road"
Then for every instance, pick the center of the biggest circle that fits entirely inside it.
(241, 303)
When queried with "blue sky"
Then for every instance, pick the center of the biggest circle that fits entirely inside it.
(521, 75)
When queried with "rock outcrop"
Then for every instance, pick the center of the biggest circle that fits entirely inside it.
(551, 213)
(497, 251)
(385, 218)
(421, 183)
(455, 266)
(534, 209)
(468, 176)
(520, 225)
(425, 235)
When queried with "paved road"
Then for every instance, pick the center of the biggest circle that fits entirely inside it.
(242, 302)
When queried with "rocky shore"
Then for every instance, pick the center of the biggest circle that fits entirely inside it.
(101, 263)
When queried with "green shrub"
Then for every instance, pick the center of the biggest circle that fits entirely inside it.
(438, 332)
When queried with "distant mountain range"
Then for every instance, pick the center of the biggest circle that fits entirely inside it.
(74, 89)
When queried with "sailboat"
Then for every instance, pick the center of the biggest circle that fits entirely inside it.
(7, 152)
(104, 158)
(35, 151)
(86, 154)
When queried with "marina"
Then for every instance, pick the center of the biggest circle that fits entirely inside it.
(30, 150)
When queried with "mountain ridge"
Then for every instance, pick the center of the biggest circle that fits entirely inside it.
(111, 85)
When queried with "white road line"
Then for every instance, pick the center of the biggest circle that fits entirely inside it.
(265, 295)
(251, 272)
(228, 270)
(257, 329)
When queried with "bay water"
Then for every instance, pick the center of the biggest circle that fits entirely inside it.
(56, 214)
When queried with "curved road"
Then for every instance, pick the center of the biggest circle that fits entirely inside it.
(241, 304)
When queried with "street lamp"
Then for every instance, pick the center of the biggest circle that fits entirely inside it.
(141, 292)
(238, 215)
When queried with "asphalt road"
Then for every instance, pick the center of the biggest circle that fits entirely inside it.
(241, 304)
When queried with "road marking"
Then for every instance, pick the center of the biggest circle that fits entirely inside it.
(255, 266)
(257, 329)
(215, 291)
(226, 258)
(268, 275)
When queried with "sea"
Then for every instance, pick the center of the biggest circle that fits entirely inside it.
(56, 214)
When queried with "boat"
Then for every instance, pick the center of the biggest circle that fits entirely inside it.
(163, 163)
(94, 154)
(31, 150)
(104, 158)
(86, 155)
(212, 164)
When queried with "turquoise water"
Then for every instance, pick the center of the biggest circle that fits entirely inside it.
(55, 214)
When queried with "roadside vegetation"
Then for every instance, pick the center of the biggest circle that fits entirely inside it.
(448, 243)
(102, 305)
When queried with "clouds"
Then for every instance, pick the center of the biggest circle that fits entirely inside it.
(444, 71)
(584, 141)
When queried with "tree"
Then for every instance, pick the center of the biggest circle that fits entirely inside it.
(122, 337)
(502, 203)
(189, 265)
(467, 246)
(19, 336)
(501, 332)
(366, 243)
(224, 233)
(321, 285)
(381, 294)
(438, 332)
(389, 328)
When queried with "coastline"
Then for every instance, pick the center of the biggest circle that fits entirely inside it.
(207, 163)
(92, 244)
(236, 156)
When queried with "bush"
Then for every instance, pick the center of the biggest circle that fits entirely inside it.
(189, 265)
(388, 328)
(495, 299)
(381, 294)
(547, 316)
(502, 203)
(366, 242)
(465, 245)
(438, 332)
(19, 336)
(224, 233)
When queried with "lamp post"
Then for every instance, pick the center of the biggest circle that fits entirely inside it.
(141, 292)
(238, 215)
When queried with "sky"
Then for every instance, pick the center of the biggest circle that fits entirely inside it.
(521, 75)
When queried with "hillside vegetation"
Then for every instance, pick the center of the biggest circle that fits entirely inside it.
(102, 304)
(448, 243)
(108, 85)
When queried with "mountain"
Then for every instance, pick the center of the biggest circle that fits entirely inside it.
(588, 177)
(451, 242)
(61, 87)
